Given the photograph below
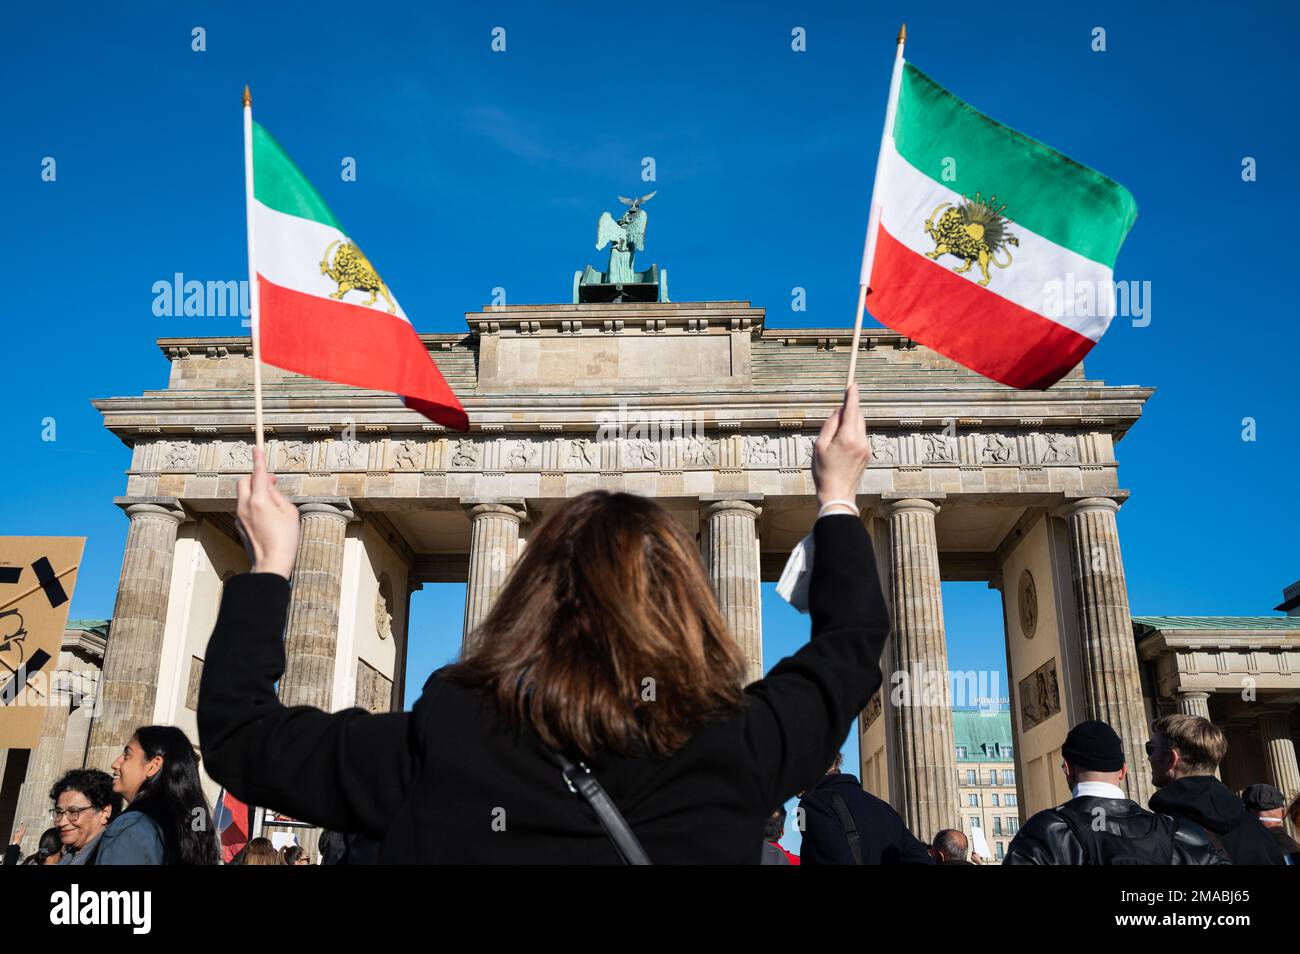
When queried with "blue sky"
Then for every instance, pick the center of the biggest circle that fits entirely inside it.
(478, 169)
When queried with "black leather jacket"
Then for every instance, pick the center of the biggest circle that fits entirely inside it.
(1090, 830)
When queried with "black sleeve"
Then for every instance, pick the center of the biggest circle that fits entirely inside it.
(797, 718)
(349, 771)
(13, 854)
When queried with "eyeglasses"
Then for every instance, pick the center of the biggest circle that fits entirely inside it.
(73, 813)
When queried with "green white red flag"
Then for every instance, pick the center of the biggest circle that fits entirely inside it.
(985, 245)
(323, 309)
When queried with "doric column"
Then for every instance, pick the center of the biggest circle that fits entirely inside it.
(44, 766)
(1112, 684)
(129, 681)
(923, 717)
(1192, 702)
(312, 630)
(493, 548)
(1279, 751)
(730, 548)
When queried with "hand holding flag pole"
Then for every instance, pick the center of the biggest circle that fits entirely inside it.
(873, 220)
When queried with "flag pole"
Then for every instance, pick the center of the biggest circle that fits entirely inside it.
(873, 219)
(252, 270)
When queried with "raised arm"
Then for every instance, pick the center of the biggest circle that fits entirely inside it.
(348, 771)
(798, 716)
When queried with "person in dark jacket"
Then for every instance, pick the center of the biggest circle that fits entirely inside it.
(1100, 825)
(844, 825)
(605, 644)
(1185, 752)
(1268, 804)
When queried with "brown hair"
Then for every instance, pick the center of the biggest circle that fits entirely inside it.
(1198, 740)
(610, 592)
(260, 851)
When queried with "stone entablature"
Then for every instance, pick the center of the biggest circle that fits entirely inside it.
(440, 464)
(1226, 661)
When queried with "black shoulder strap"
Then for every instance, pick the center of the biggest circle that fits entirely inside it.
(580, 781)
(1216, 842)
(1084, 843)
(849, 825)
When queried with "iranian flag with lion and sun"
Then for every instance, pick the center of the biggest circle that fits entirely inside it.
(324, 310)
(980, 237)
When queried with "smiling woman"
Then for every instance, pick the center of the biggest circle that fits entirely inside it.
(167, 819)
(84, 803)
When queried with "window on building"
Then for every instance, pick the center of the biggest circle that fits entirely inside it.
(997, 824)
(970, 777)
(1011, 800)
(973, 801)
(974, 822)
(993, 776)
(996, 803)
(961, 751)
(1013, 825)
(1002, 851)
(1008, 777)
(1007, 751)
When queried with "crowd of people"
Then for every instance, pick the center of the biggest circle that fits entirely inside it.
(599, 715)
(1194, 818)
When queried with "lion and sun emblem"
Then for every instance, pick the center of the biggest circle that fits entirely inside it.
(975, 231)
(352, 271)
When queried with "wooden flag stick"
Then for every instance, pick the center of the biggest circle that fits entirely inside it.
(253, 309)
(873, 219)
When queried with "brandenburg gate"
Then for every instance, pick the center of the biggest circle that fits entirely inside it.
(704, 408)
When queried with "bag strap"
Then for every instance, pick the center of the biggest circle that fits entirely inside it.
(1216, 842)
(1085, 844)
(581, 782)
(849, 825)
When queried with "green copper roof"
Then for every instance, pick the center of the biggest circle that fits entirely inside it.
(1146, 625)
(98, 626)
(980, 730)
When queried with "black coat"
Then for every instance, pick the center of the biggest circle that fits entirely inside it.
(883, 838)
(1092, 830)
(1212, 805)
(445, 783)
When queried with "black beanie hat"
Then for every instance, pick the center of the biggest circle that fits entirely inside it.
(1093, 747)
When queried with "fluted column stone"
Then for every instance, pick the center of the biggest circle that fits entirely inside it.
(44, 766)
(923, 715)
(730, 548)
(493, 549)
(311, 632)
(1279, 751)
(1111, 679)
(129, 682)
(1192, 702)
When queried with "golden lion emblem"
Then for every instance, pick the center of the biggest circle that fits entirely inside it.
(352, 271)
(974, 232)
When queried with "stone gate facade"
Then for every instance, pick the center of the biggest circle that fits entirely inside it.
(696, 404)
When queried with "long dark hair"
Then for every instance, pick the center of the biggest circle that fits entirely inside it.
(609, 592)
(50, 844)
(174, 798)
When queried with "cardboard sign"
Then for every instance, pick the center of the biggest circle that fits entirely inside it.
(37, 576)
